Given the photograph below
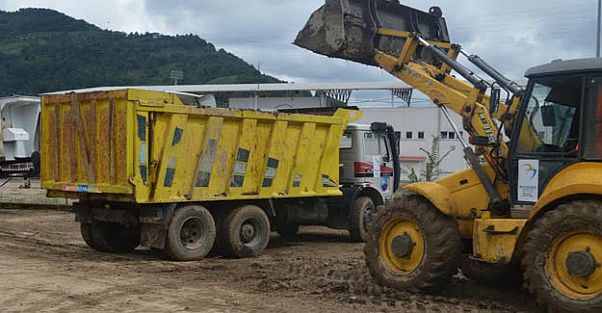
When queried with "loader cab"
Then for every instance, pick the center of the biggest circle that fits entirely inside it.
(559, 124)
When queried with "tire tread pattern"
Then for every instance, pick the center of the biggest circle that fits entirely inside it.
(443, 245)
(567, 217)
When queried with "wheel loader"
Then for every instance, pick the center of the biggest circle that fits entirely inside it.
(531, 199)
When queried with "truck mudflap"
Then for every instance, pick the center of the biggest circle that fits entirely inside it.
(349, 29)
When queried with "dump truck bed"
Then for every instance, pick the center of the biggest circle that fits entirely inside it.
(149, 147)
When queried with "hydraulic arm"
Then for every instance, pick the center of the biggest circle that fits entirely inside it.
(414, 46)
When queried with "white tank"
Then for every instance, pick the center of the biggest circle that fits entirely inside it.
(19, 122)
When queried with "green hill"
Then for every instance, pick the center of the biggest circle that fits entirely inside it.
(44, 50)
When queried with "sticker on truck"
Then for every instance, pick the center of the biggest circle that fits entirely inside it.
(81, 188)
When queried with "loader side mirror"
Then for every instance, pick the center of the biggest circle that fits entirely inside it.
(548, 115)
(494, 100)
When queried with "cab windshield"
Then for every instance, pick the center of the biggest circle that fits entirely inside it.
(551, 120)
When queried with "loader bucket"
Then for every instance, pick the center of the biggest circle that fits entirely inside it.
(346, 29)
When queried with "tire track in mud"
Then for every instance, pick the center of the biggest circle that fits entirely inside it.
(309, 271)
(349, 282)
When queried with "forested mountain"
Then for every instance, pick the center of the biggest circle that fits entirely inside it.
(44, 50)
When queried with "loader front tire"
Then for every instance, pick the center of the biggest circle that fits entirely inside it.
(412, 246)
(190, 234)
(562, 258)
(110, 237)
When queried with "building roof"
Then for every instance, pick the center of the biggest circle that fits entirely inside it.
(566, 67)
(204, 89)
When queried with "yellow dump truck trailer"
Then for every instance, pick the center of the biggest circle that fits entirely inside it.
(148, 168)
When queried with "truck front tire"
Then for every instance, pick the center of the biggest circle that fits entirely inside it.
(361, 213)
(190, 234)
(110, 237)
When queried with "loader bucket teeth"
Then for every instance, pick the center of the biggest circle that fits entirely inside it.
(339, 29)
(347, 29)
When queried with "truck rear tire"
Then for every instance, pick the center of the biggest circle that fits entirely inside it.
(562, 256)
(361, 214)
(110, 237)
(288, 231)
(190, 234)
(245, 232)
(412, 246)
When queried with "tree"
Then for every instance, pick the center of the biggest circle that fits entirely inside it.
(433, 162)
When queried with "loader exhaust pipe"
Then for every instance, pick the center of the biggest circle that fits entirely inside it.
(347, 29)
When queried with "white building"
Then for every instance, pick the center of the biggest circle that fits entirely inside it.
(274, 103)
(417, 128)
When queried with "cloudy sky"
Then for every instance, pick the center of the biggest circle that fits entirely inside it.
(512, 34)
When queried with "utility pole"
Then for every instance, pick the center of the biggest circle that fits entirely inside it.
(177, 75)
(599, 26)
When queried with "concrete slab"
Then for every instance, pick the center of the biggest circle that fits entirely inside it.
(13, 192)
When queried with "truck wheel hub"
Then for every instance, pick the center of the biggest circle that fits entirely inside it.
(247, 232)
(581, 264)
(402, 246)
(367, 217)
(191, 233)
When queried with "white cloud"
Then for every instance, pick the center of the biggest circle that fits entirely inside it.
(512, 34)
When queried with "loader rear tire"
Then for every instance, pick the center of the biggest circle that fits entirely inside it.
(245, 232)
(412, 246)
(361, 213)
(190, 234)
(110, 237)
(562, 257)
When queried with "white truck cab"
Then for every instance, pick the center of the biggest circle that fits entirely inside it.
(369, 156)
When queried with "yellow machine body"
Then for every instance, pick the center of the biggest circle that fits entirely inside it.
(463, 196)
(149, 147)
(495, 239)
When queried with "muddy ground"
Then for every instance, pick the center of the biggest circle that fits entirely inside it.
(45, 266)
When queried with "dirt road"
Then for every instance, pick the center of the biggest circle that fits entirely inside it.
(45, 266)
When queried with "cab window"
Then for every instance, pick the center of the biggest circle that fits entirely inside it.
(375, 144)
(592, 137)
(551, 120)
(346, 141)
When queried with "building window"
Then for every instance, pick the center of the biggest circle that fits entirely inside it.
(409, 135)
(420, 135)
(445, 135)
